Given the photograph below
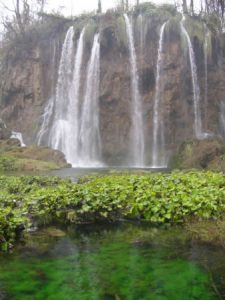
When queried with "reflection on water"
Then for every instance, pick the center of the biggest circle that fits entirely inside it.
(103, 262)
(75, 173)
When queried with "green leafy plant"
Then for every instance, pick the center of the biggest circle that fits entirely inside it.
(158, 198)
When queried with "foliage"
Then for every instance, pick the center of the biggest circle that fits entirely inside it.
(145, 7)
(207, 154)
(90, 31)
(158, 13)
(121, 33)
(195, 28)
(7, 163)
(158, 198)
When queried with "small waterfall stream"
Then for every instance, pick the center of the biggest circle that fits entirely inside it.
(206, 79)
(46, 117)
(137, 131)
(18, 136)
(73, 115)
(60, 127)
(196, 91)
(90, 140)
(158, 149)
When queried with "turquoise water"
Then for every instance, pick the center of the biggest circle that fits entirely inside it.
(104, 262)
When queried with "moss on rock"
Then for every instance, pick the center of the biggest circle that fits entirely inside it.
(200, 154)
(30, 158)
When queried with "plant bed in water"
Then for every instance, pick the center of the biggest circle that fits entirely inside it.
(30, 202)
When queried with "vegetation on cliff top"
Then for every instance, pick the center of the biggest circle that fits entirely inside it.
(27, 202)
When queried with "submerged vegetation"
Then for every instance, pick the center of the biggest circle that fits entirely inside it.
(28, 202)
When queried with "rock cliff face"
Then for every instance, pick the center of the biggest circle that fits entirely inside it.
(29, 80)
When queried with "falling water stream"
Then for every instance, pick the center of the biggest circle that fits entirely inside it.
(46, 117)
(90, 140)
(196, 91)
(18, 136)
(75, 127)
(60, 127)
(206, 79)
(73, 114)
(137, 131)
(158, 149)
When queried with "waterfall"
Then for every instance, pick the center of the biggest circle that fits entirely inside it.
(137, 130)
(46, 117)
(60, 127)
(158, 149)
(206, 79)
(74, 130)
(45, 120)
(90, 140)
(196, 91)
(18, 136)
(73, 111)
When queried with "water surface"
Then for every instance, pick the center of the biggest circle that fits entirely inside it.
(104, 262)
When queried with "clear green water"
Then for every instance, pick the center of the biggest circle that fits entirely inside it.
(124, 261)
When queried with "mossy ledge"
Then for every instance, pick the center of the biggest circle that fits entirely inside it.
(30, 158)
(28, 202)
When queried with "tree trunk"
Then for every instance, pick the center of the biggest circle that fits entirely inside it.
(18, 17)
(122, 5)
(99, 7)
(185, 10)
(192, 7)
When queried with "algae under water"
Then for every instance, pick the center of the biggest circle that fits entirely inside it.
(104, 262)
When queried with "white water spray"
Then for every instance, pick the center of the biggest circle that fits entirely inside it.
(206, 79)
(18, 136)
(196, 91)
(158, 149)
(60, 128)
(73, 114)
(90, 140)
(45, 121)
(137, 131)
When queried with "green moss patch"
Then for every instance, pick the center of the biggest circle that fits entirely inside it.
(200, 154)
(30, 158)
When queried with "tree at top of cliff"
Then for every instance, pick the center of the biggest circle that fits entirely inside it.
(19, 14)
(99, 11)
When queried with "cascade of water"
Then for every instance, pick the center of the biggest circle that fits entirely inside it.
(73, 111)
(158, 149)
(18, 136)
(60, 130)
(196, 91)
(45, 119)
(137, 131)
(48, 111)
(90, 140)
(206, 79)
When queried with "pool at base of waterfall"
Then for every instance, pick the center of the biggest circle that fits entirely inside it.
(119, 261)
